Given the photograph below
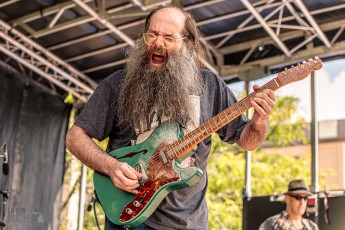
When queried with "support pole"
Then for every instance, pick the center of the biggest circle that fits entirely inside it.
(314, 138)
(247, 190)
(82, 197)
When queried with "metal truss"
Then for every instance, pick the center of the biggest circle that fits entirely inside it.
(44, 63)
(118, 32)
(279, 29)
(103, 16)
(307, 28)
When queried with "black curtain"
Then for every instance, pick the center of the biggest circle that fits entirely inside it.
(33, 124)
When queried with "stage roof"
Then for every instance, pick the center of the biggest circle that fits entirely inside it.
(70, 46)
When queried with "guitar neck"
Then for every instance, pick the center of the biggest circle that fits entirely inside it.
(184, 145)
(190, 140)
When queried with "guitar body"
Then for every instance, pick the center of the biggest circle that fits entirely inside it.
(161, 176)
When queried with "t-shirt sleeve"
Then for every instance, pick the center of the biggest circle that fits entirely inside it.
(232, 131)
(98, 116)
(223, 98)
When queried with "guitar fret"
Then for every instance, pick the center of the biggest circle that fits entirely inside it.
(198, 135)
(238, 107)
(173, 150)
(209, 124)
(276, 82)
(206, 131)
(182, 146)
(245, 103)
(232, 112)
(215, 122)
(224, 116)
(176, 151)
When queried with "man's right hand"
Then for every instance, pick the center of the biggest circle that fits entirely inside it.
(81, 145)
(125, 177)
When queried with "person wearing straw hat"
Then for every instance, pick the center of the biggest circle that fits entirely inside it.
(291, 218)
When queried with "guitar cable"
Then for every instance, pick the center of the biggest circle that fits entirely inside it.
(94, 199)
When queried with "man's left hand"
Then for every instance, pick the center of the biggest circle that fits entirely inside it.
(263, 104)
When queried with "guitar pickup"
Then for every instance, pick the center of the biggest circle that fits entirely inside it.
(140, 169)
(164, 157)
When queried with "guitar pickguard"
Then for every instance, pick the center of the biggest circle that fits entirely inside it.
(158, 175)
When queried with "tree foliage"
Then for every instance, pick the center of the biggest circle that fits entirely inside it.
(270, 172)
(285, 126)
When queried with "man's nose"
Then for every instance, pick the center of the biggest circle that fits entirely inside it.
(159, 43)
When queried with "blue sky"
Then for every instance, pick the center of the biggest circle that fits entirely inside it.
(330, 91)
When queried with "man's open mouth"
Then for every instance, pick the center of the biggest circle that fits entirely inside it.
(157, 59)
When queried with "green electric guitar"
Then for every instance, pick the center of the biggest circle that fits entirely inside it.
(159, 157)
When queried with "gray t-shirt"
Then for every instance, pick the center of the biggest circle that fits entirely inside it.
(181, 209)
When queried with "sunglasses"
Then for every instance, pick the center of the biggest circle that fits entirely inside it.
(300, 197)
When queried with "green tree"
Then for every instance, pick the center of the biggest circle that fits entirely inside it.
(270, 172)
(285, 126)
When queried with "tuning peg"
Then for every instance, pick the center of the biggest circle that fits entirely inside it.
(303, 64)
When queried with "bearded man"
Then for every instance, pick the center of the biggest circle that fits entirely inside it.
(163, 82)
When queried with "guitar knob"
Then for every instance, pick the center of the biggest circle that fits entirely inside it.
(136, 203)
(129, 211)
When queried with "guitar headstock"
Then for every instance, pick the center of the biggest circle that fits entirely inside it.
(299, 72)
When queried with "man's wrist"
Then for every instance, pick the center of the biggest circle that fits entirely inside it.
(259, 125)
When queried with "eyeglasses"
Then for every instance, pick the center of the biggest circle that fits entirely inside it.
(168, 42)
(300, 197)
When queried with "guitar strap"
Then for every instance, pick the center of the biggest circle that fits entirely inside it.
(326, 209)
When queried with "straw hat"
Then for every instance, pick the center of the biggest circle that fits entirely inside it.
(298, 187)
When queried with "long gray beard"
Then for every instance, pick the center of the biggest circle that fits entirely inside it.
(165, 91)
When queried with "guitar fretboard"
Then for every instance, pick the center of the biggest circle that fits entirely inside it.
(190, 140)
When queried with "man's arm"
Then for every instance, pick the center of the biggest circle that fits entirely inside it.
(257, 129)
(80, 144)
